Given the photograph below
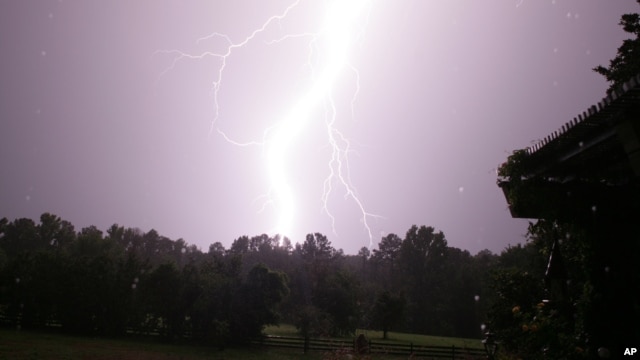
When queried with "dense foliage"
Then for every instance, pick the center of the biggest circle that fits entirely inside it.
(626, 63)
(126, 280)
(95, 284)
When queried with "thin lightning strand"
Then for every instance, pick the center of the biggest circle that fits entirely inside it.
(339, 32)
(180, 55)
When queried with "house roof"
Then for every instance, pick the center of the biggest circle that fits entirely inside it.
(601, 142)
(591, 162)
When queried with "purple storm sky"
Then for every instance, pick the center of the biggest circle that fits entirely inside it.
(93, 131)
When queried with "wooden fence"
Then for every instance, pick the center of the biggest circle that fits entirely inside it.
(331, 345)
(326, 345)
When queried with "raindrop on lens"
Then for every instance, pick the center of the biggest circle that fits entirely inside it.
(476, 298)
(603, 353)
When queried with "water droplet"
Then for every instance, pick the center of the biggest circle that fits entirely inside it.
(483, 327)
(17, 280)
(567, 236)
(594, 208)
(476, 298)
(50, 15)
(604, 353)
(606, 269)
(27, 198)
(135, 280)
(184, 250)
(555, 50)
(43, 53)
(134, 286)
(581, 144)
(461, 189)
(568, 15)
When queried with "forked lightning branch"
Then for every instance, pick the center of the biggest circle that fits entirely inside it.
(342, 27)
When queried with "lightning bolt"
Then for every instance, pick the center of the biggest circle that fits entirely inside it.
(328, 57)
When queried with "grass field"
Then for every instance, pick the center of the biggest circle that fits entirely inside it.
(29, 345)
(393, 337)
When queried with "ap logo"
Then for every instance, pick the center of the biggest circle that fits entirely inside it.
(630, 351)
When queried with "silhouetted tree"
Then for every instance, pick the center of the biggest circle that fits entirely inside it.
(422, 257)
(254, 304)
(386, 263)
(388, 311)
(626, 64)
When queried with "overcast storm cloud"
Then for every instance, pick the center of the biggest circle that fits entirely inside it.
(210, 120)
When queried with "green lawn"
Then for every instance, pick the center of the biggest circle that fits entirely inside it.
(393, 337)
(424, 340)
(30, 345)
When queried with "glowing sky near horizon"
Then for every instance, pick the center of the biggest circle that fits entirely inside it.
(428, 99)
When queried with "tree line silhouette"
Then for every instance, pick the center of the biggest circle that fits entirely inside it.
(129, 281)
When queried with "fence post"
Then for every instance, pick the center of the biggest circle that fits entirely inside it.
(453, 352)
